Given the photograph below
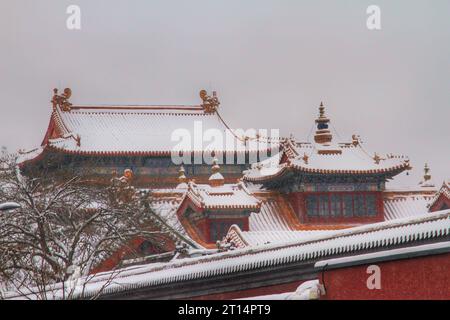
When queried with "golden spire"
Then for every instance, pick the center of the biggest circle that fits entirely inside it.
(323, 134)
(426, 182)
(321, 110)
(427, 175)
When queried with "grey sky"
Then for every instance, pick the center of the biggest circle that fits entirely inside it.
(272, 62)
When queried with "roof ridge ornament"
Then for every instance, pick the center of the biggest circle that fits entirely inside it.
(210, 103)
(216, 179)
(305, 158)
(356, 140)
(323, 134)
(181, 175)
(62, 100)
(182, 179)
(426, 182)
(377, 158)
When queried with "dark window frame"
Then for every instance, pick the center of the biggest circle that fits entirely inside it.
(363, 204)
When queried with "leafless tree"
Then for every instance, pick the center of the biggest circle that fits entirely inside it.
(66, 225)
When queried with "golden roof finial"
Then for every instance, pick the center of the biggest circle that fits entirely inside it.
(305, 158)
(182, 180)
(321, 110)
(426, 182)
(62, 100)
(427, 175)
(181, 175)
(210, 104)
(355, 140)
(323, 134)
(215, 168)
(216, 179)
(376, 158)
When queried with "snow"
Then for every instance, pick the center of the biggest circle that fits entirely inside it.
(137, 129)
(29, 155)
(405, 205)
(216, 176)
(257, 238)
(373, 236)
(166, 208)
(226, 196)
(383, 254)
(351, 158)
(347, 158)
(9, 206)
(308, 290)
(444, 190)
(271, 216)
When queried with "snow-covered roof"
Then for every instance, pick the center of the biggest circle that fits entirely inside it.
(443, 191)
(227, 196)
(256, 238)
(380, 255)
(402, 205)
(273, 216)
(340, 158)
(141, 130)
(133, 129)
(345, 242)
(166, 208)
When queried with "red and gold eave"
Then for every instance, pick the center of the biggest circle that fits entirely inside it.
(441, 201)
(288, 167)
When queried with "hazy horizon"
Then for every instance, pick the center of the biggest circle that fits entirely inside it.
(271, 63)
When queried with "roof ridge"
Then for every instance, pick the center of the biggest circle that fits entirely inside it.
(433, 226)
(137, 107)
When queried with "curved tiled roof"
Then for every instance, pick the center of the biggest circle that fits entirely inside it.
(142, 131)
(443, 191)
(374, 236)
(256, 238)
(402, 206)
(228, 196)
(343, 158)
(133, 129)
(273, 215)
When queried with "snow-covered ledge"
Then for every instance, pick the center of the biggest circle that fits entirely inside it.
(387, 255)
(309, 290)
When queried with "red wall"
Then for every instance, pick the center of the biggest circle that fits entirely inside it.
(248, 293)
(441, 204)
(414, 278)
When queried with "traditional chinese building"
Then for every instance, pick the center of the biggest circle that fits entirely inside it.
(306, 191)
(146, 140)
(320, 210)
(329, 182)
(441, 200)
(412, 254)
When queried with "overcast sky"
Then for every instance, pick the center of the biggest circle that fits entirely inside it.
(272, 62)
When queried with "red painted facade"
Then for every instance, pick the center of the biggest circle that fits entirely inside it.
(414, 278)
(255, 292)
(442, 203)
(202, 224)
